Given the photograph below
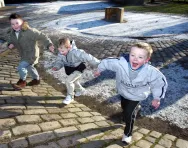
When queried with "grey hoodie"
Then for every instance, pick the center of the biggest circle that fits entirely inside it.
(75, 60)
(149, 79)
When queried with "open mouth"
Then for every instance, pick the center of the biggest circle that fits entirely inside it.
(134, 64)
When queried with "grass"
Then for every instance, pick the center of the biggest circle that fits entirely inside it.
(173, 8)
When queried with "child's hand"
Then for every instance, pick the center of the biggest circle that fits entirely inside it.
(11, 46)
(51, 48)
(54, 69)
(97, 73)
(156, 103)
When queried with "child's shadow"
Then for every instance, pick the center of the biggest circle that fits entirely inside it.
(6, 87)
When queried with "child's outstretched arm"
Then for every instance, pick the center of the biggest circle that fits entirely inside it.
(58, 64)
(158, 85)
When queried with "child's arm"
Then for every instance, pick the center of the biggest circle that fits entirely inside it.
(107, 64)
(158, 85)
(43, 37)
(85, 57)
(58, 63)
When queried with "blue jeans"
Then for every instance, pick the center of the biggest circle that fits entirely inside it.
(24, 68)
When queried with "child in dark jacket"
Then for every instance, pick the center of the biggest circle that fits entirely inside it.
(25, 39)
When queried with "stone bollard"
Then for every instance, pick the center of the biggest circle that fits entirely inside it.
(2, 3)
(114, 14)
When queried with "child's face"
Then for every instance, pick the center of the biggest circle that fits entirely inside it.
(16, 24)
(138, 57)
(64, 49)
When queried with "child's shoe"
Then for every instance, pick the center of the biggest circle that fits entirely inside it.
(34, 82)
(19, 85)
(68, 100)
(126, 139)
(79, 93)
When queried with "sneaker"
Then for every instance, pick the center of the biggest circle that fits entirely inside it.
(34, 82)
(79, 93)
(68, 100)
(126, 139)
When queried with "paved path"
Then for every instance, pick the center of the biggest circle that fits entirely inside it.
(36, 117)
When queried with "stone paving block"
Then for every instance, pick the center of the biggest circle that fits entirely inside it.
(57, 110)
(10, 113)
(144, 131)
(85, 109)
(26, 129)
(35, 106)
(41, 137)
(95, 113)
(69, 115)
(6, 135)
(155, 134)
(2, 101)
(35, 111)
(62, 132)
(85, 120)
(19, 143)
(3, 146)
(108, 138)
(84, 114)
(4, 82)
(47, 126)
(28, 119)
(5, 123)
(29, 94)
(75, 109)
(150, 139)
(137, 136)
(69, 105)
(49, 145)
(98, 118)
(114, 146)
(68, 122)
(93, 144)
(158, 146)
(93, 134)
(15, 101)
(134, 146)
(11, 93)
(54, 101)
(87, 126)
(79, 105)
(51, 117)
(169, 137)
(102, 123)
(144, 144)
(180, 143)
(12, 106)
(71, 141)
(118, 132)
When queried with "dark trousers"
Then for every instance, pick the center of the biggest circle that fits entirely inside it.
(129, 114)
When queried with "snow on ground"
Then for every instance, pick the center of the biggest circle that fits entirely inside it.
(75, 18)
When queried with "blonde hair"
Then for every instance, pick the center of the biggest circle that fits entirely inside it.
(144, 46)
(63, 41)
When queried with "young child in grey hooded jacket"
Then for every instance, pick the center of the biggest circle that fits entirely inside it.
(73, 60)
(135, 78)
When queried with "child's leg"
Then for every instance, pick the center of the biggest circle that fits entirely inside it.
(70, 82)
(22, 69)
(33, 72)
(78, 86)
(129, 114)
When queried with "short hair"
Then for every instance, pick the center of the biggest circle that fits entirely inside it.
(144, 46)
(15, 16)
(63, 41)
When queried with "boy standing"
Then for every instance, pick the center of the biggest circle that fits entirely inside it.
(73, 60)
(25, 39)
(135, 78)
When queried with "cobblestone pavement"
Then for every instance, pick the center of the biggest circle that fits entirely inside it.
(35, 117)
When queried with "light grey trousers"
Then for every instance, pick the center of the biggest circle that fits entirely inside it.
(72, 83)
